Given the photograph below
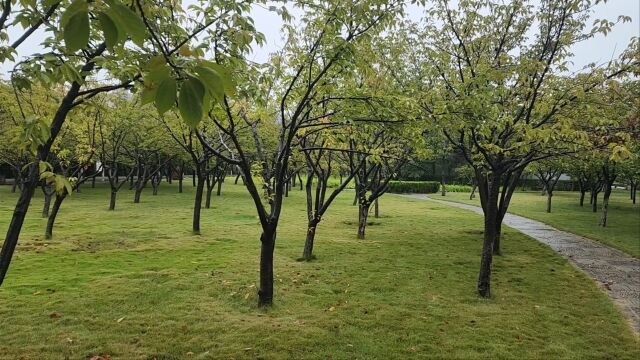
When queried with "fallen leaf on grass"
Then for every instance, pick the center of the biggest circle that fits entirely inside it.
(120, 320)
(246, 296)
(333, 308)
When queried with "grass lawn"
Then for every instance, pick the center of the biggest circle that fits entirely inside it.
(135, 284)
(623, 222)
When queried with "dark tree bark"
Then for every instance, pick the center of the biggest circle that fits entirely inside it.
(48, 234)
(376, 209)
(220, 181)
(112, 201)
(490, 206)
(307, 253)
(48, 191)
(211, 182)
(265, 293)
(594, 199)
(197, 207)
(609, 175)
(22, 206)
(180, 177)
(363, 213)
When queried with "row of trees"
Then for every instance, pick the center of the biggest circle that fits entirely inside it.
(356, 92)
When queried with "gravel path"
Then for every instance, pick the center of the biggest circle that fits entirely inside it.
(617, 273)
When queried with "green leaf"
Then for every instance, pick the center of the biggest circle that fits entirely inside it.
(76, 32)
(43, 166)
(109, 29)
(212, 80)
(46, 175)
(148, 95)
(225, 74)
(157, 76)
(75, 7)
(190, 101)
(131, 22)
(166, 95)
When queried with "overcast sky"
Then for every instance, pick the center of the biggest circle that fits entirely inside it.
(598, 50)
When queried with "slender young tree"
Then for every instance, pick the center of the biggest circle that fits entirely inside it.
(549, 173)
(314, 55)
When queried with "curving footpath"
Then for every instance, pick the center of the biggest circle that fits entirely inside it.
(617, 273)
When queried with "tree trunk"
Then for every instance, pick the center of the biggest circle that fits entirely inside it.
(180, 178)
(193, 179)
(47, 201)
(237, 178)
(198, 205)
(307, 254)
(19, 213)
(594, 201)
(497, 241)
(136, 199)
(490, 229)
(52, 217)
(635, 193)
(443, 186)
(363, 213)
(549, 195)
(209, 191)
(16, 180)
(473, 192)
(376, 209)
(93, 182)
(112, 202)
(605, 204)
(582, 193)
(265, 293)
(300, 181)
(219, 191)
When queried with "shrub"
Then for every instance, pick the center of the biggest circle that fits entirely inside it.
(419, 187)
(456, 188)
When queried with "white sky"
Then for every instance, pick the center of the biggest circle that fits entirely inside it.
(598, 50)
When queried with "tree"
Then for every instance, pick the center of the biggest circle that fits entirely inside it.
(500, 95)
(322, 159)
(549, 171)
(77, 159)
(75, 50)
(375, 158)
(314, 55)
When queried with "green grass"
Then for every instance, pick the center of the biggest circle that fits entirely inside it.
(623, 222)
(135, 284)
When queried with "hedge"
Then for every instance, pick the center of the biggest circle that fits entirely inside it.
(418, 187)
(457, 188)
